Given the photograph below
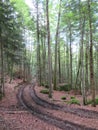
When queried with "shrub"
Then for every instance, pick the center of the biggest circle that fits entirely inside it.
(65, 87)
(72, 97)
(63, 98)
(44, 85)
(96, 101)
(91, 102)
(74, 101)
(44, 91)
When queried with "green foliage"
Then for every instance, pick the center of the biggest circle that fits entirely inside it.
(65, 87)
(72, 97)
(44, 85)
(96, 101)
(11, 33)
(44, 91)
(63, 98)
(91, 102)
(74, 101)
(24, 11)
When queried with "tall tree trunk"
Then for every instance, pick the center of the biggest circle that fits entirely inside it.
(71, 73)
(2, 68)
(86, 62)
(65, 67)
(44, 59)
(59, 61)
(91, 56)
(24, 65)
(11, 71)
(82, 61)
(49, 52)
(38, 47)
(56, 46)
(67, 63)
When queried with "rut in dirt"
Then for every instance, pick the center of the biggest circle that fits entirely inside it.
(62, 124)
(77, 111)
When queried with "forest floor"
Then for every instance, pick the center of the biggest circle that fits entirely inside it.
(15, 117)
(58, 95)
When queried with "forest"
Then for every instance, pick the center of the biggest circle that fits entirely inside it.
(52, 44)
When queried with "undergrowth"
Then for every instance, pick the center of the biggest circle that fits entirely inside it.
(91, 102)
(72, 97)
(44, 91)
(44, 85)
(74, 101)
(65, 87)
(63, 98)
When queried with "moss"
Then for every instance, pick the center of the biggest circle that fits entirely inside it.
(63, 98)
(44, 91)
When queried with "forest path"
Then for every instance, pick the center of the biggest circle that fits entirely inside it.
(13, 116)
(65, 108)
(46, 115)
(56, 115)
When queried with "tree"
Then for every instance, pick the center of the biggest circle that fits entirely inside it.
(38, 46)
(49, 51)
(91, 55)
(56, 46)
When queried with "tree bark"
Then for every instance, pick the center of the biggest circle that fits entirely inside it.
(82, 61)
(2, 68)
(59, 62)
(92, 84)
(49, 51)
(71, 72)
(56, 46)
(38, 47)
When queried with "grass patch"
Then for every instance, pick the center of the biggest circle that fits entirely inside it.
(44, 91)
(63, 98)
(74, 101)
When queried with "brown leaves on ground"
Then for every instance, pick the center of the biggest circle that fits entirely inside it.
(12, 118)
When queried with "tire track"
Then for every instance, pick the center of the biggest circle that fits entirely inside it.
(77, 111)
(47, 117)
